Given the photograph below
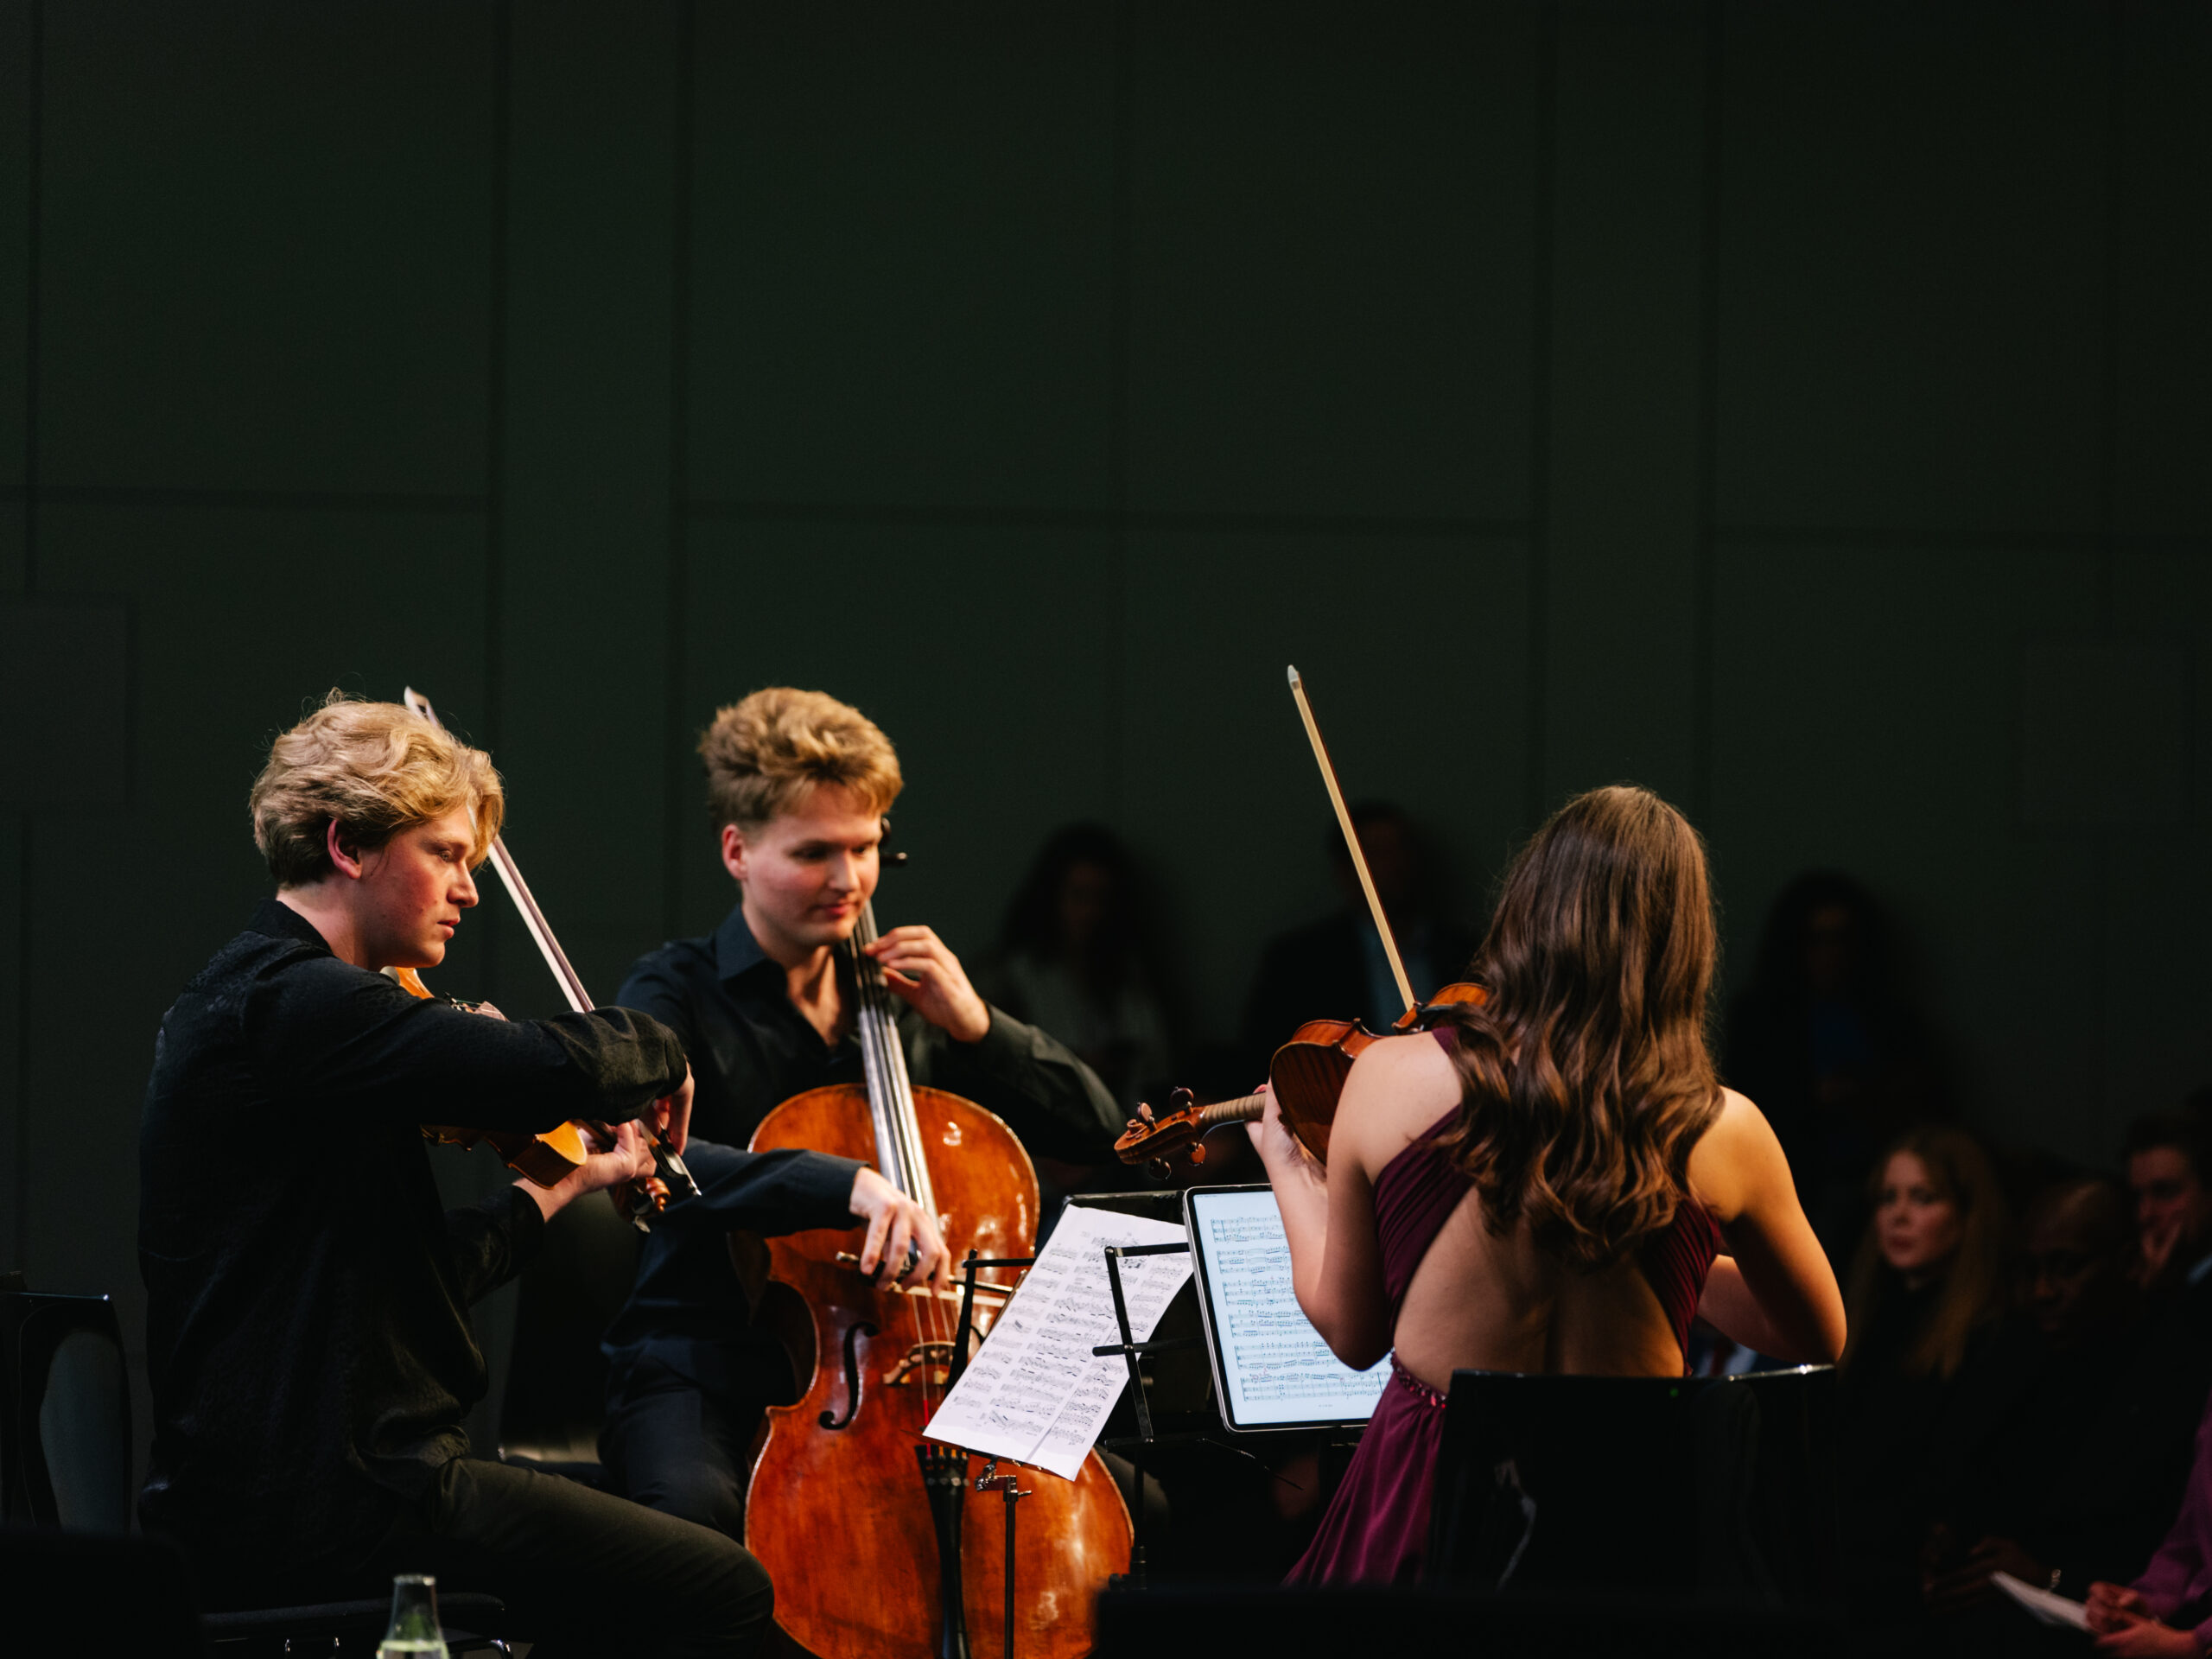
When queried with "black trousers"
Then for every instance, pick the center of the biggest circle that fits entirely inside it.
(681, 1450)
(581, 1572)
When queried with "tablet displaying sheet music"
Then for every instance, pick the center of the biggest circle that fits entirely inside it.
(1271, 1369)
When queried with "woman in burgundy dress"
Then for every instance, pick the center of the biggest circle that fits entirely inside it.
(1554, 1181)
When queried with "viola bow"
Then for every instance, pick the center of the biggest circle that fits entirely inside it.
(670, 1175)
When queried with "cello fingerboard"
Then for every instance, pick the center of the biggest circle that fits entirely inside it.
(890, 1091)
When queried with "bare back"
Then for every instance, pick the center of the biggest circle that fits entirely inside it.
(1496, 1301)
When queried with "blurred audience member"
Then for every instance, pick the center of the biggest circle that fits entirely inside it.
(2060, 1380)
(2168, 1163)
(1335, 969)
(1925, 1289)
(1827, 1045)
(1075, 958)
(2168, 1609)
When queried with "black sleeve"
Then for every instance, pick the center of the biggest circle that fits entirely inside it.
(494, 1240)
(348, 1038)
(787, 1191)
(1050, 1098)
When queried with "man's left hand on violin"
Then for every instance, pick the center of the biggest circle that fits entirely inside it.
(630, 1159)
(922, 969)
(672, 1113)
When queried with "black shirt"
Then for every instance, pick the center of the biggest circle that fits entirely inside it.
(307, 1330)
(751, 1051)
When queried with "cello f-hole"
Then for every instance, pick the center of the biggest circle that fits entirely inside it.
(854, 1333)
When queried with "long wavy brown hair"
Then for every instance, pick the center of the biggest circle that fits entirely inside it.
(1971, 1280)
(1586, 1078)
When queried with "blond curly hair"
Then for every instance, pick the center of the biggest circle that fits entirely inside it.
(374, 769)
(766, 753)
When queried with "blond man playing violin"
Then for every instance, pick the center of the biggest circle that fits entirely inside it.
(798, 784)
(309, 1336)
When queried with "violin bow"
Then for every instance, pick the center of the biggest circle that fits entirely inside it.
(1352, 841)
(672, 1171)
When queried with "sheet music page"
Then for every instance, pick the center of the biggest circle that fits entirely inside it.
(1276, 1368)
(2045, 1607)
(1035, 1392)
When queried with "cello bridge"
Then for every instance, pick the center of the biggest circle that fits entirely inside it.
(936, 1354)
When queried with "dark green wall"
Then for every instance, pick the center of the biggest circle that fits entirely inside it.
(1798, 409)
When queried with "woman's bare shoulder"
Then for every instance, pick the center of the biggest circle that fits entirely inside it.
(1398, 1088)
(1735, 1156)
(1413, 1065)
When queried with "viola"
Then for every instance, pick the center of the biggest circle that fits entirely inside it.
(1305, 1076)
(1307, 1073)
(549, 1158)
(844, 1476)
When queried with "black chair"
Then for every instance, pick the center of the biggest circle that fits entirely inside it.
(555, 1402)
(65, 1452)
(1718, 1490)
(64, 1445)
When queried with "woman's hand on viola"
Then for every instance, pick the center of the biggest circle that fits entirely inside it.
(1283, 1153)
(922, 969)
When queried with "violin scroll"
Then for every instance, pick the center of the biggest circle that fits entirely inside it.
(1307, 1076)
(1157, 1140)
(1167, 1144)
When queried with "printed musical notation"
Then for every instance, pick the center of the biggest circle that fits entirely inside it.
(1277, 1367)
(1035, 1392)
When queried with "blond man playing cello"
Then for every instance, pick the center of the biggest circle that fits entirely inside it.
(797, 784)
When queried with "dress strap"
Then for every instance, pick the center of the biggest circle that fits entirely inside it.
(1420, 1390)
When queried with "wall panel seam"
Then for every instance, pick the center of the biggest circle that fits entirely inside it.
(1099, 518)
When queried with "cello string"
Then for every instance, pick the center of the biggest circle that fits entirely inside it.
(935, 1321)
(928, 1320)
(879, 1032)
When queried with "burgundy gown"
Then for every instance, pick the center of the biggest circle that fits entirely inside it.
(1376, 1527)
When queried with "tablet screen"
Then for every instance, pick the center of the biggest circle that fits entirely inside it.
(1270, 1366)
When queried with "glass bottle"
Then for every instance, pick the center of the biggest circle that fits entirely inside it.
(414, 1633)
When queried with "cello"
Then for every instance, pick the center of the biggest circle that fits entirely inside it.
(1307, 1073)
(844, 1475)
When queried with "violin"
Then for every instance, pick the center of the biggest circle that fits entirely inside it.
(844, 1475)
(1307, 1073)
(1306, 1077)
(548, 1158)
